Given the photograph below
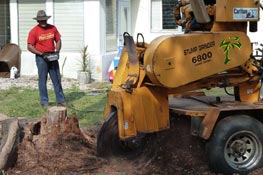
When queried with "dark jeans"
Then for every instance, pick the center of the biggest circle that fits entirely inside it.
(51, 68)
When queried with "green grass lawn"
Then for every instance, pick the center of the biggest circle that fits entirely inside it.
(219, 91)
(24, 102)
(88, 106)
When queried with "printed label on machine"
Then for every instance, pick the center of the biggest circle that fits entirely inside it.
(245, 13)
(201, 55)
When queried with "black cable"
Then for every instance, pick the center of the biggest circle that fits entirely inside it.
(228, 92)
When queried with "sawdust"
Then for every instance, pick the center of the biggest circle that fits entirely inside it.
(169, 152)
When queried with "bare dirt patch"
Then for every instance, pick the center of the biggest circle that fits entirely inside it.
(170, 152)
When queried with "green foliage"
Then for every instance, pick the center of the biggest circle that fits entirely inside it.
(88, 107)
(85, 60)
(17, 102)
(62, 68)
(218, 91)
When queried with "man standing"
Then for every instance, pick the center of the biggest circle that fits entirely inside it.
(45, 38)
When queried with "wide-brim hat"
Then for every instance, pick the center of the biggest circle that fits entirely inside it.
(41, 16)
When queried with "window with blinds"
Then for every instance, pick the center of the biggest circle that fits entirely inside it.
(111, 25)
(27, 10)
(69, 19)
(156, 14)
(162, 14)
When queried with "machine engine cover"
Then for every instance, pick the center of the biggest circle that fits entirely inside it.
(175, 60)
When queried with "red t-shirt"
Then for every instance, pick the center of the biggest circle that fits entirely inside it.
(43, 38)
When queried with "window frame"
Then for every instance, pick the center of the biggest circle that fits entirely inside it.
(157, 19)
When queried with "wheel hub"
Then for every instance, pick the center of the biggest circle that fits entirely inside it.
(242, 150)
(238, 148)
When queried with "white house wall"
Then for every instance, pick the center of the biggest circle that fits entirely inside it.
(141, 21)
(94, 37)
(14, 21)
(72, 64)
(256, 36)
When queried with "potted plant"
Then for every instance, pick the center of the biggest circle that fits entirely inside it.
(84, 75)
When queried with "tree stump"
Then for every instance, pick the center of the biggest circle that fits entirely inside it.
(10, 132)
(55, 117)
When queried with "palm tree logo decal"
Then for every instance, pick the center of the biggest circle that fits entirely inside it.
(228, 45)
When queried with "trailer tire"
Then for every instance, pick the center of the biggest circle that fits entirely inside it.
(236, 145)
(109, 143)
